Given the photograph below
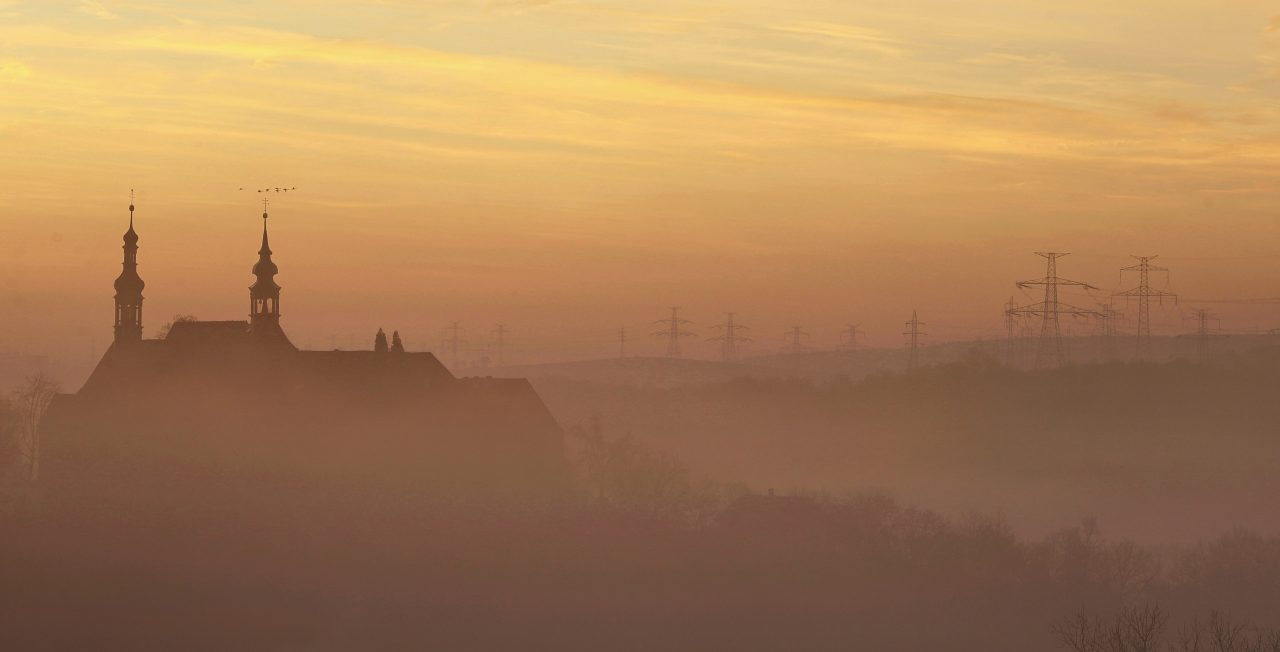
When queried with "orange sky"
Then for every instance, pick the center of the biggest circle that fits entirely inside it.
(573, 167)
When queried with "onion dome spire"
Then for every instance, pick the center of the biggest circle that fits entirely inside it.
(265, 269)
(129, 288)
(264, 294)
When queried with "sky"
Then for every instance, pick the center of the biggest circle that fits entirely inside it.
(572, 168)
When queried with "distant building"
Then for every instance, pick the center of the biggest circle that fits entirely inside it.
(221, 405)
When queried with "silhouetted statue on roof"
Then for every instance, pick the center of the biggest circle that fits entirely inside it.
(380, 342)
(396, 345)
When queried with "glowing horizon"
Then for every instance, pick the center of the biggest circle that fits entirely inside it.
(569, 168)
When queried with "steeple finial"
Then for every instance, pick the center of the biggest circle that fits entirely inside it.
(130, 236)
(266, 249)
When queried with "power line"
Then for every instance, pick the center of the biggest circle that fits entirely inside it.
(1144, 292)
(501, 331)
(729, 338)
(913, 334)
(1010, 341)
(850, 335)
(1257, 301)
(1107, 317)
(450, 341)
(1050, 351)
(1203, 332)
(795, 343)
(673, 333)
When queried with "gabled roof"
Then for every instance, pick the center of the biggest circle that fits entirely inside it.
(231, 353)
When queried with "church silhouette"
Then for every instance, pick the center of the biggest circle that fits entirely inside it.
(218, 411)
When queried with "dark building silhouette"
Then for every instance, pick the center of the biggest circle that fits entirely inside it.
(218, 411)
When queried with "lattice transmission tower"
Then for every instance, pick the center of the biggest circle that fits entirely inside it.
(795, 340)
(673, 332)
(1049, 350)
(1107, 318)
(913, 334)
(1010, 333)
(730, 337)
(850, 337)
(1144, 293)
(500, 333)
(451, 341)
(1203, 332)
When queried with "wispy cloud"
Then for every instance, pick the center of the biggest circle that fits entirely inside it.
(862, 38)
(95, 8)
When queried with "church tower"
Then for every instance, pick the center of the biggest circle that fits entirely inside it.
(129, 289)
(264, 294)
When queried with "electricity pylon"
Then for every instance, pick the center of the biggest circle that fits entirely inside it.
(913, 334)
(672, 332)
(501, 332)
(1050, 351)
(1143, 293)
(1010, 340)
(1107, 317)
(450, 340)
(1203, 317)
(851, 333)
(795, 340)
(729, 338)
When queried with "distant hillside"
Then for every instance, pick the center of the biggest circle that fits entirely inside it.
(633, 372)
(828, 365)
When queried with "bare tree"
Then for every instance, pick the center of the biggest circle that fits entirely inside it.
(622, 474)
(1226, 635)
(1134, 629)
(30, 401)
(1141, 627)
(177, 319)
(1080, 633)
(1191, 639)
(1267, 641)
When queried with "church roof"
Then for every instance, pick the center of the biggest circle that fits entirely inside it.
(216, 353)
(207, 332)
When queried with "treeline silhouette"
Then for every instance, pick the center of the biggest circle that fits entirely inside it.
(1167, 452)
(642, 554)
(1146, 628)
